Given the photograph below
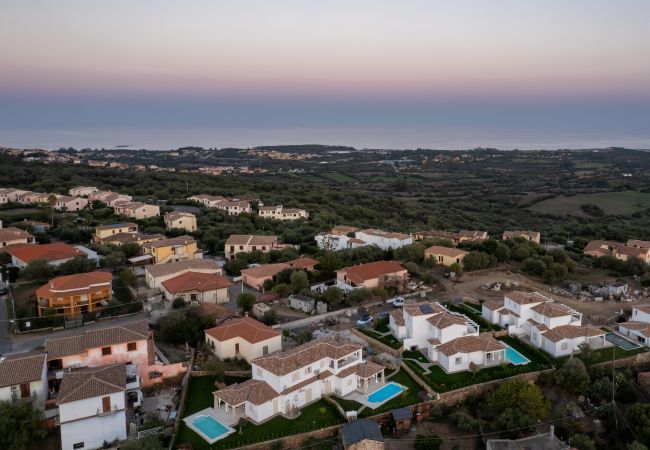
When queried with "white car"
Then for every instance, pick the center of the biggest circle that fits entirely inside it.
(365, 320)
(398, 302)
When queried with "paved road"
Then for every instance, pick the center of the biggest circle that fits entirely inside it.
(26, 342)
(5, 341)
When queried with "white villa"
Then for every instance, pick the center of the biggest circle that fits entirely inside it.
(638, 328)
(336, 240)
(384, 239)
(549, 325)
(333, 242)
(285, 381)
(450, 339)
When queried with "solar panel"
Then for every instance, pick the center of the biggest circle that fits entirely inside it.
(426, 309)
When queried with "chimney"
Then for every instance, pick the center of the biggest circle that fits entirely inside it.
(551, 431)
(246, 314)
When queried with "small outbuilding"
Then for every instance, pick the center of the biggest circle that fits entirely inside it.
(362, 434)
(402, 419)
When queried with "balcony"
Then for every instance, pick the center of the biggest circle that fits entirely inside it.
(347, 361)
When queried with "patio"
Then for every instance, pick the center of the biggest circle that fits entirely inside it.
(371, 387)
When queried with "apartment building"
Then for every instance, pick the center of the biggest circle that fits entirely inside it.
(136, 210)
(618, 250)
(75, 294)
(371, 275)
(82, 191)
(110, 198)
(155, 274)
(246, 243)
(446, 256)
(172, 249)
(280, 213)
(68, 203)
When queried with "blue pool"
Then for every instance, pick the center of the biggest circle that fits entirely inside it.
(621, 342)
(387, 392)
(209, 426)
(515, 357)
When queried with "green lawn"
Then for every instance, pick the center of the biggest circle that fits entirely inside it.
(591, 165)
(406, 398)
(315, 416)
(415, 355)
(348, 405)
(388, 339)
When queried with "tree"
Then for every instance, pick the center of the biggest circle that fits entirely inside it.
(150, 443)
(638, 418)
(21, 425)
(184, 326)
(79, 264)
(38, 270)
(333, 295)
(280, 289)
(127, 277)
(573, 376)
(299, 281)
(114, 260)
(270, 317)
(517, 404)
(582, 442)
(178, 303)
(636, 445)
(304, 336)
(245, 301)
(359, 295)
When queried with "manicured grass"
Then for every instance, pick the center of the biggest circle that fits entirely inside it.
(388, 339)
(348, 405)
(415, 355)
(536, 355)
(406, 398)
(199, 396)
(474, 306)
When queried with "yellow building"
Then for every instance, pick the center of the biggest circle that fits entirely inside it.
(446, 255)
(171, 250)
(104, 231)
(181, 220)
(75, 294)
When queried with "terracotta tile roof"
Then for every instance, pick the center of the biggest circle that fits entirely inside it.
(446, 251)
(642, 327)
(196, 281)
(469, 344)
(180, 240)
(434, 341)
(303, 263)
(526, 298)
(356, 241)
(159, 270)
(638, 243)
(521, 233)
(48, 252)
(113, 226)
(178, 215)
(265, 270)
(493, 305)
(642, 308)
(344, 229)
(424, 309)
(75, 345)
(370, 271)
(398, 317)
(540, 326)
(246, 328)
(572, 332)
(256, 392)
(18, 369)
(472, 234)
(76, 284)
(320, 376)
(126, 238)
(13, 233)
(92, 382)
(439, 234)
(553, 309)
(284, 362)
(365, 369)
(442, 321)
(250, 239)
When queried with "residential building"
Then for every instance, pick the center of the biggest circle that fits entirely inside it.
(10, 195)
(75, 294)
(246, 243)
(157, 273)
(121, 239)
(173, 249)
(549, 325)
(446, 256)
(384, 239)
(67, 203)
(336, 242)
(372, 275)
(14, 236)
(32, 198)
(533, 236)
(256, 276)
(280, 213)
(136, 210)
(463, 236)
(638, 244)
(110, 198)
(361, 434)
(197, 287)
(82, 191)
(304, 263)
(343, 230)
(55, 254)
(641, 313)
(23, 378)
(104, 231)
(639, 332)
(180, 220)
(92, 406)
(244, 338)
(232, 206)
(617, 250)
(287, 380)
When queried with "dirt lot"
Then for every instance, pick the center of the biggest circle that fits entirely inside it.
(471, 285)
(451, 437)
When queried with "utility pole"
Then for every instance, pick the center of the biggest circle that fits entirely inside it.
(614, 388)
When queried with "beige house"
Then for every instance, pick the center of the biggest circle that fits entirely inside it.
(446, 255)
(280, 213)
(256, 276)
(533, 236)
(243, 338)
(136, 210)
(246, 243)
(372, 275)
(110, 198)
(68, 203)
(157, 273)
(197, 287)
(104, 231)
(10, 195)
(13, 236)
(82, 191)
(173, 249)
(181, 220)
(618, 250)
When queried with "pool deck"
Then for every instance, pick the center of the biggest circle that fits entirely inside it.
(363, 398)
(223, 418)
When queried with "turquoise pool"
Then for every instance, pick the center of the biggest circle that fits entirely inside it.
(621, 342)
(515, 357)
(385, 393)
(209, 426)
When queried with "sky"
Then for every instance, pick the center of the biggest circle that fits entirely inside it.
(463, 66)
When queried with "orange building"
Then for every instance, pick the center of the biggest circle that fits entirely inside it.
(75, 294)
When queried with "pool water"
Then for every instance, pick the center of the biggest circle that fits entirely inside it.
(619, 341)
(385, 393)
(209, 426)
(515, 357)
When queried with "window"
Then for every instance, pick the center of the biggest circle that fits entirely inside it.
(564, 346)
(295, 376)
(24, 390)
(488, 356)
(106, 351)
(131, 346)
(106, 404)
(265, 350)
(237, 348)
(459, 360)
(78, 445)
(308, 369)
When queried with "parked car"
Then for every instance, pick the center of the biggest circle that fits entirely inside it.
(365, 320)
(4, 290)
(398, 302)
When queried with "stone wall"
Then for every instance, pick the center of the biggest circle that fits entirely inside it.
(419, 380)
(375, 343)
(295, 441)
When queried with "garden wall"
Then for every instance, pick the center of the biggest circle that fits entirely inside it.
(640, 359)
(295, 441)
(375, 343)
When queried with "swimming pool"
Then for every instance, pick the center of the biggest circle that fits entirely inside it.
(385, 393)
(619, 341)
(515, 357)
(210, 426)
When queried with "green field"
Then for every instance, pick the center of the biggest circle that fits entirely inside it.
(338, 177)
(612, 203)
(592, 165)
